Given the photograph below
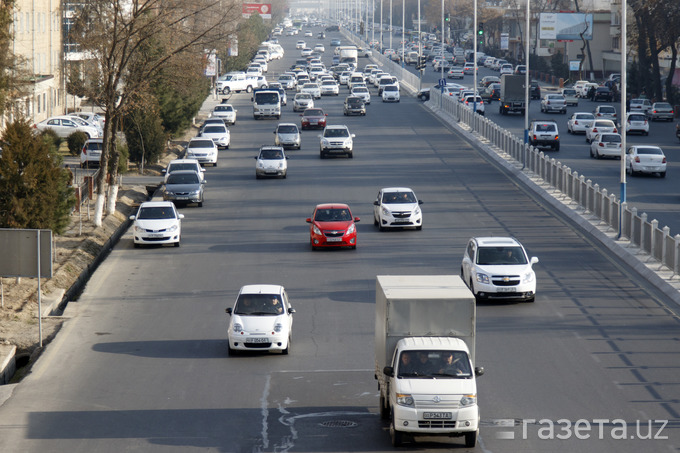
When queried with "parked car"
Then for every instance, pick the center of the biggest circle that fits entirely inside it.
(260, 320)
(579, 121)
(499, 268)
(64, 126)
(397, 207)
(336, 139)
(661, 111)
(271, 162)
(184, 186)
(313, 118)
(645, 159)
(91, 153)
(553, 103)
(637, 122)
(157, 223)
(332, 225)
(605, 145)
(287, 135)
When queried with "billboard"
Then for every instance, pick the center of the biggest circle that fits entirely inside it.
(210, 61)
(566, 26)
(263, 9)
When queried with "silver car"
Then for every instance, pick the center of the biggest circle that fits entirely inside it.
(64, 126)
(184, 186)
(303, 101)
(287, 135)
(554, 103)
(661, 111)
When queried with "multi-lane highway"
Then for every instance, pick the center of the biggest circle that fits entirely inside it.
(143, 365)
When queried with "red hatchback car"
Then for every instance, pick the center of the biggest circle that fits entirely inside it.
(332, 225)
(313, 119)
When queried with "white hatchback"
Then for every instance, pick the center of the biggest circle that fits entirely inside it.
(397, 207)
(261, 320)
(157, 223)
(499, 268)
(390, 93)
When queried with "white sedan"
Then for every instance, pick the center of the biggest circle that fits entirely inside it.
(157, 223)
(329, 87)
(606, 145)
(599, 127)
(363, 93)
(645, 159)
(397, 207)
(261, 320)
(218, 133)
(226, 112)
(579, 122)
(312, 89)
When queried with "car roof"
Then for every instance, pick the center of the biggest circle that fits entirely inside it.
(396, 189)
(496, 241)
(261, 289)
(94, 140)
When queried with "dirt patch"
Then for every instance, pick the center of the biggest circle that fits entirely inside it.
(74, 251)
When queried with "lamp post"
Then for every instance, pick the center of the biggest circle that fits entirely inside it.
(624, 95)
(403, 33)
(527, 83)
(442, 42)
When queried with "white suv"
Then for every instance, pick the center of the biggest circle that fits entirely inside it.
(336, 140)
(498, 268)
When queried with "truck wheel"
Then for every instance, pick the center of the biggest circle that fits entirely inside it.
(384, 409)
(470, 439)
(397, 437)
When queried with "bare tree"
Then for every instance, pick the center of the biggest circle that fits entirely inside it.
(130, 41)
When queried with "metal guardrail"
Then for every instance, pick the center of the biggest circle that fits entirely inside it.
(646, 235)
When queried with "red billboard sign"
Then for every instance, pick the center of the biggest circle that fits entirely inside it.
(263, 9)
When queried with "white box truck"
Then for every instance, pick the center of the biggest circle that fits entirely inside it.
(425, 357)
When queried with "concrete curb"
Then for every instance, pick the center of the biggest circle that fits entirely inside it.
(7, 364)
(640, 262)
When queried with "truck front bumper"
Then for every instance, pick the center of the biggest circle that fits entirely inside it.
(417, 421)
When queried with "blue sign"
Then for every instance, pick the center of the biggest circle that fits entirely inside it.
(442, 82)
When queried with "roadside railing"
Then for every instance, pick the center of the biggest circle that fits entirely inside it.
(596, 201)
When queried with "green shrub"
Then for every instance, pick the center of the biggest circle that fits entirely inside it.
(75, 142)
(51, 138)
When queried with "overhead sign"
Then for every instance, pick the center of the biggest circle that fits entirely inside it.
(566, 26)
(263, 9)
(25, 253)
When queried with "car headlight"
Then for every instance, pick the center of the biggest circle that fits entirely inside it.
(385, 211)
(173, 228)
(324, 142)
(316, 230)
(483, 278)
(528, 277)
(260, 164)
(405, 399)
(278, 327)
(195, 192)
(416, 211)
(468, 400)
(351, 229)
(237, 327)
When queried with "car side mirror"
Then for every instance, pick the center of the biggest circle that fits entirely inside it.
(376, 203)
(252, 99)
(255, 157)
(132, 217)
(388, 371)
(228, 310)
(181, 216)
(420, 201)
(204, 182)
(353, 135)
(291, 310)
(534, 260)
(308, 220)
(325, 114)
(479, 370)
(274, 132)
(357, 219)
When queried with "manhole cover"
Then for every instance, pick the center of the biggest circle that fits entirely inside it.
(338, 424)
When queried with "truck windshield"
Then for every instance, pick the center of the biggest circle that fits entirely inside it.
(434, 364)
(266, 98)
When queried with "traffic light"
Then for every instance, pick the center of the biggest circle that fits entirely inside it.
(422, 63)
(480, 34)
(447, 17)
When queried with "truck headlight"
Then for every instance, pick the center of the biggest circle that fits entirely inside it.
(405, 399)
(483, 278)
(468, 400)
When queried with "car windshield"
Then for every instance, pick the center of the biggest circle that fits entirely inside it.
(433, 364)
(332, 215)
(336, 132)
(360, 90)
(328, 82)
(500, 255)
(398, 197)
(268, 154)
(648, 150)
(391, 88)
(313, 112)
(156, 212)
(182, 178)
(214, 130)
(181, 166)
(224, 108)
(288, 129)
(201, 144)
(303, 96)
(259, 305)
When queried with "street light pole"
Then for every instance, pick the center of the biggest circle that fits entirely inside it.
(442, 40)
(624, 96)
(391, 25)
(527, 83)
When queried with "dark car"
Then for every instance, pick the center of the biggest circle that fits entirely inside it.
(333, 28)
(424, 94)
(184, 186)
(535, 90)
(354, 105)
(602, 93)
(313, 119)
(492, 92)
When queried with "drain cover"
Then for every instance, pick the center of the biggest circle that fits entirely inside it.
(339, 424)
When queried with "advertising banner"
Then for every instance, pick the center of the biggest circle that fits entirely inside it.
(263, 9)
(566, 26)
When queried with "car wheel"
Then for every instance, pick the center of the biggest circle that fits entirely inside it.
(662, 174)
(350, 155)
(556, 147)
(200, 204)
(592, 155)
(531, 299)
(285, 175)
(384, 409)
(137, 245)
(470, 439)
(419, 227)
(249, 89)
(287, 350)
(177, 244)
(230, 350)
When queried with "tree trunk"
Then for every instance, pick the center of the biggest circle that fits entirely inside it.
(115, 157)
(670, 89)
(103, 170)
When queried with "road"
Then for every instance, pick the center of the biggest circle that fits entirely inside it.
(143, 366)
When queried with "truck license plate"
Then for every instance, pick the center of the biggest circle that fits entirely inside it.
(257, 340)
(437, 415)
